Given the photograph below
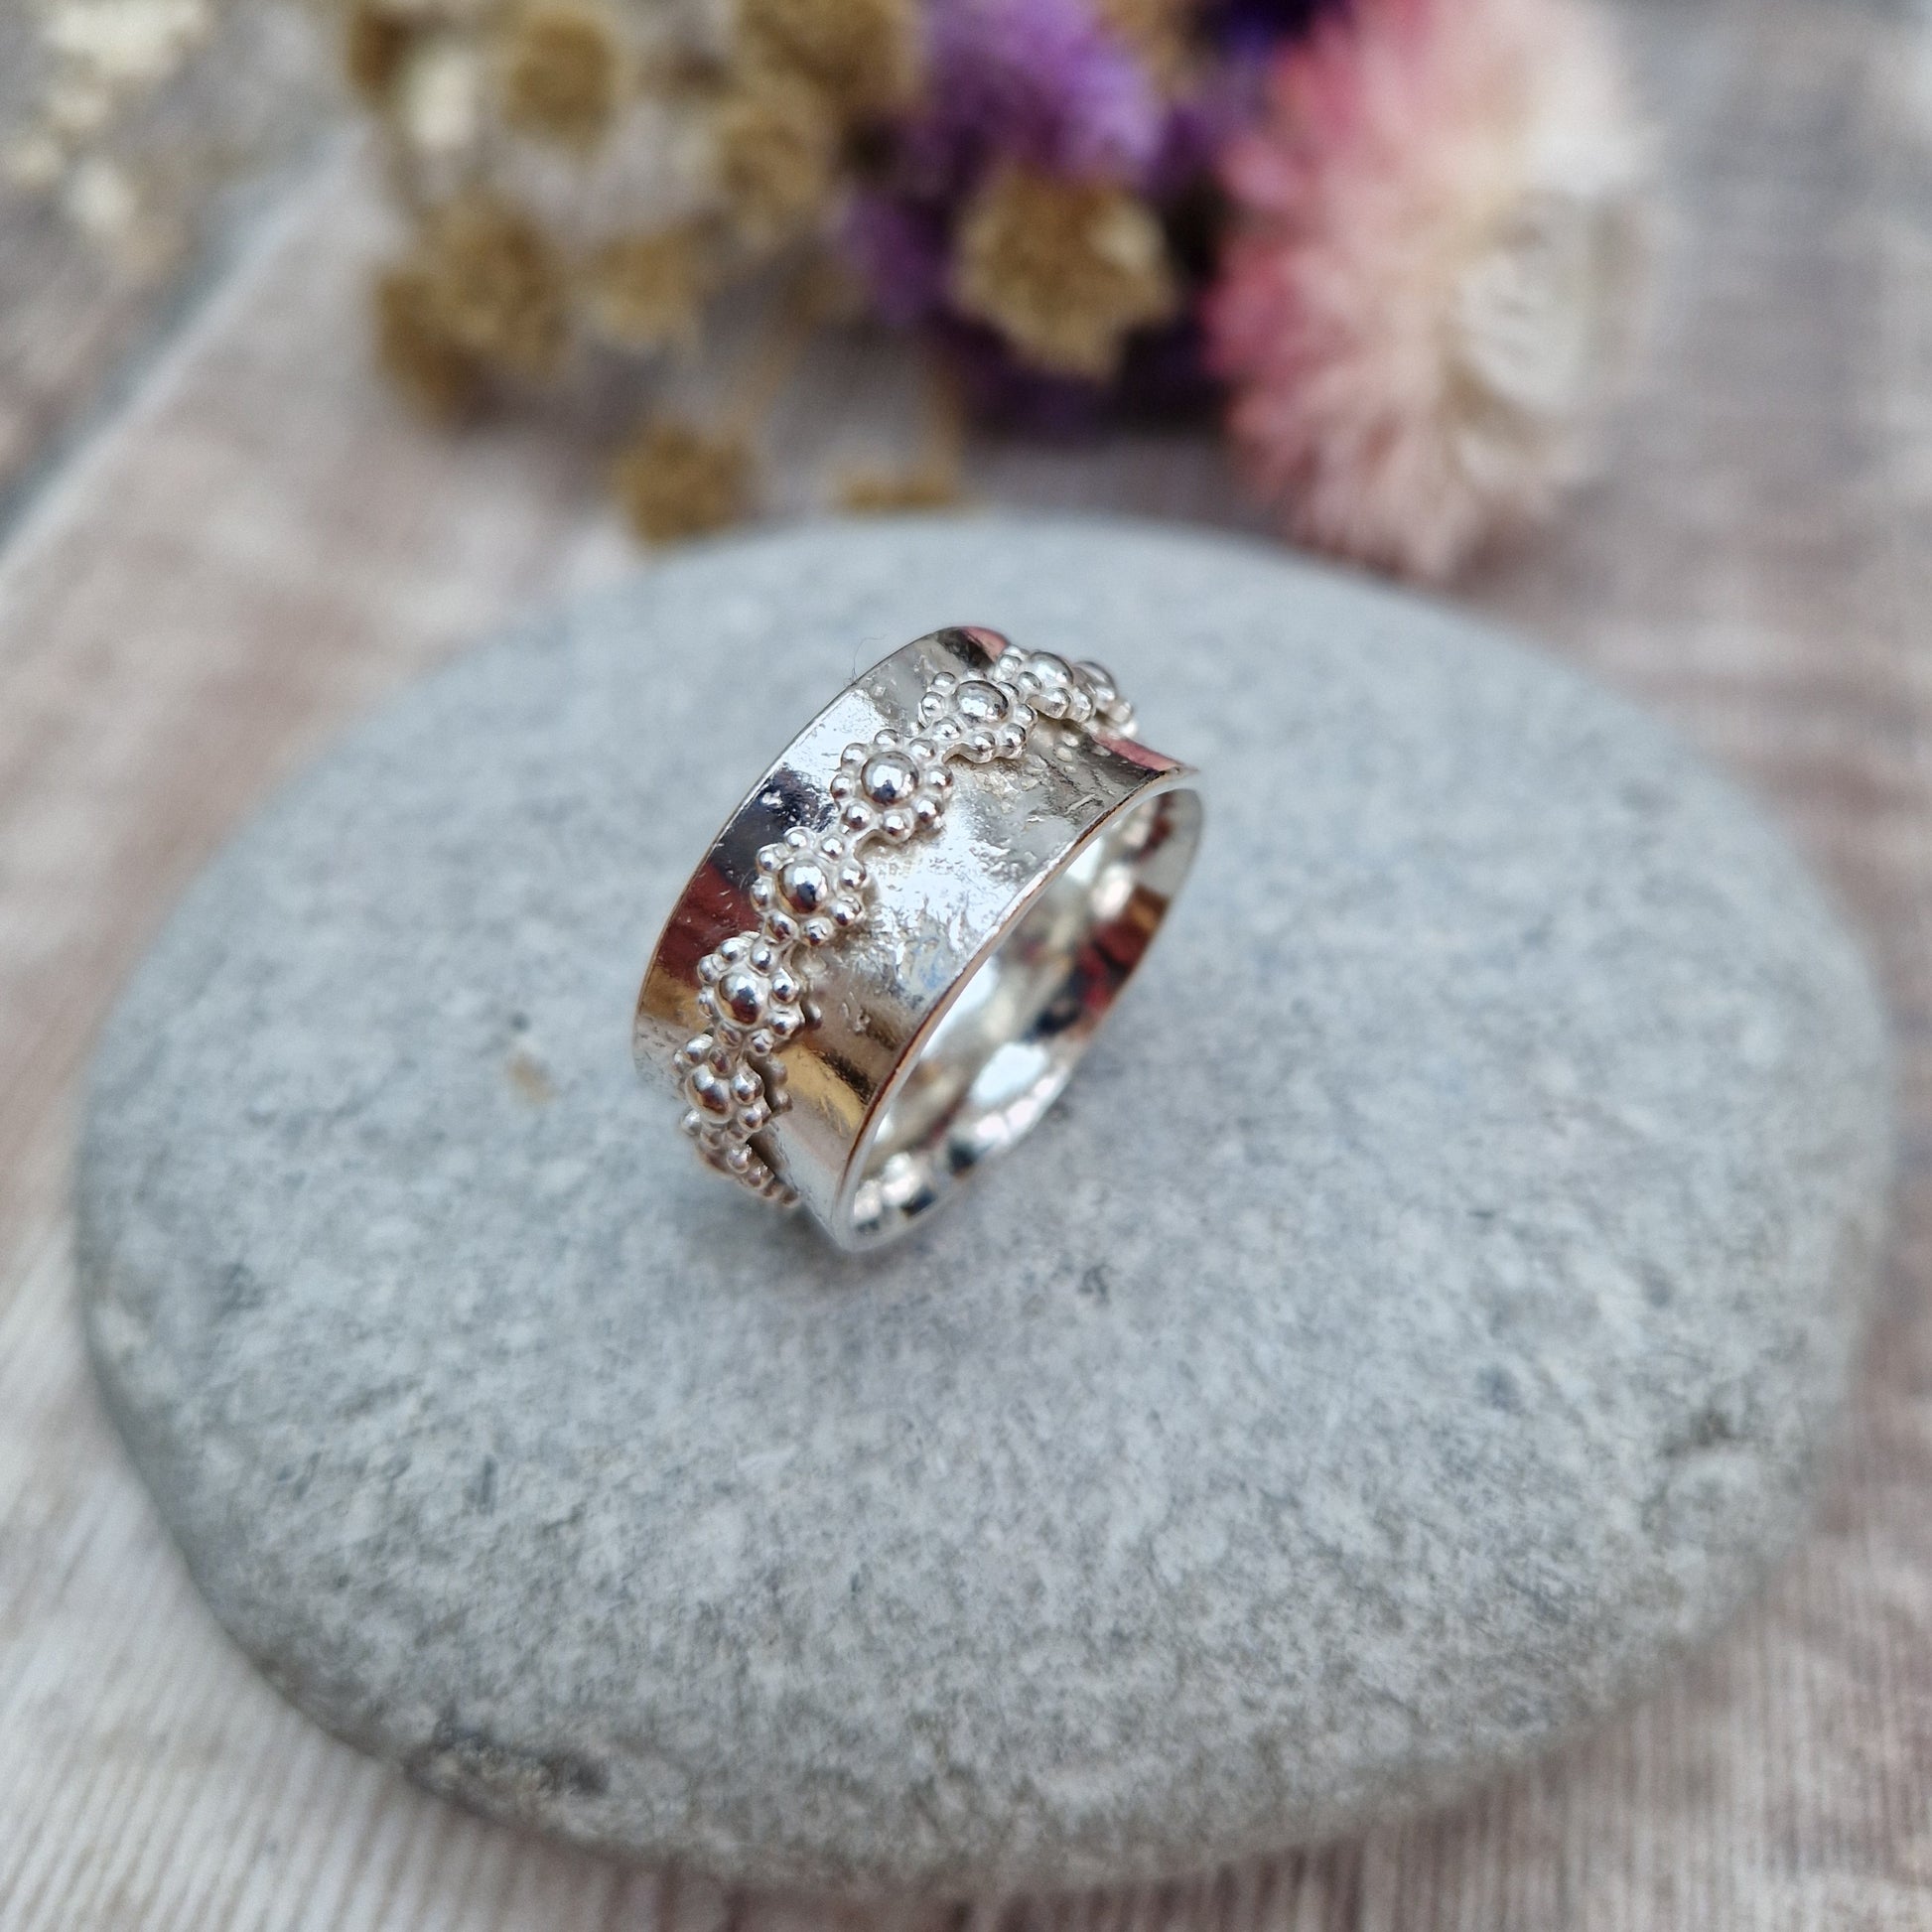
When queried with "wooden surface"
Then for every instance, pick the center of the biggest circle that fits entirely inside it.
(257, 546)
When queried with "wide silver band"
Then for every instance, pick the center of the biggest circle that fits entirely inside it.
(905, 936)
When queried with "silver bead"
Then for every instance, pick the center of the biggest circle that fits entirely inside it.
(805, 884)
(1100, 683)
(743, 995)
(710, 1091)
(980, 702)
(891, 780)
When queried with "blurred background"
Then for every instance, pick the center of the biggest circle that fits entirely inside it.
(331, 335)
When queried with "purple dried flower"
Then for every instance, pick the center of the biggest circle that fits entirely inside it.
(1051, 87)
(1042, 82)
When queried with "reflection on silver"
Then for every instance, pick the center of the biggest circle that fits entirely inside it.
(897, 950)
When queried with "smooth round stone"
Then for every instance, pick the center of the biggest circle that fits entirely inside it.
(1423, 1318)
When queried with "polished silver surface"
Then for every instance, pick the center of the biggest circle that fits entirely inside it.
(901, 942)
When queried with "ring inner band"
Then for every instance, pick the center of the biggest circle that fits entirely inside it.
(994, 1057)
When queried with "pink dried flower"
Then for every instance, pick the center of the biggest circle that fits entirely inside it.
(1436, 273)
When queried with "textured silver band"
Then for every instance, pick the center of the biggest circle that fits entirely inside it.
(903, 938)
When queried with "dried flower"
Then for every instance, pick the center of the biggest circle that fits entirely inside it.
(562, 72)
(646, 291)
(1063, 269)
(676, 480)
(417, 352)
(1440, 274)
(860, 56)
(1435, 220)
(1043, 82)
(775, 147)
(378, 38)
(498, 286)
(1018, 214)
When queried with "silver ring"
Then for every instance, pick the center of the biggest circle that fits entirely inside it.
(903, 939)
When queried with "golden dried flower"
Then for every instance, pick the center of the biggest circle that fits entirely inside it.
(859, 55)
(675, 481)
(646, 291)
(498, 286)
(777, 149)
(562, 71)
(378, 41)
(1065, 269)
(417, 352)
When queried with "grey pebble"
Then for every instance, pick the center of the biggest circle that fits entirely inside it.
(1425, 1315)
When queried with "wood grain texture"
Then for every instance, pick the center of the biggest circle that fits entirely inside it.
(259, 546)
